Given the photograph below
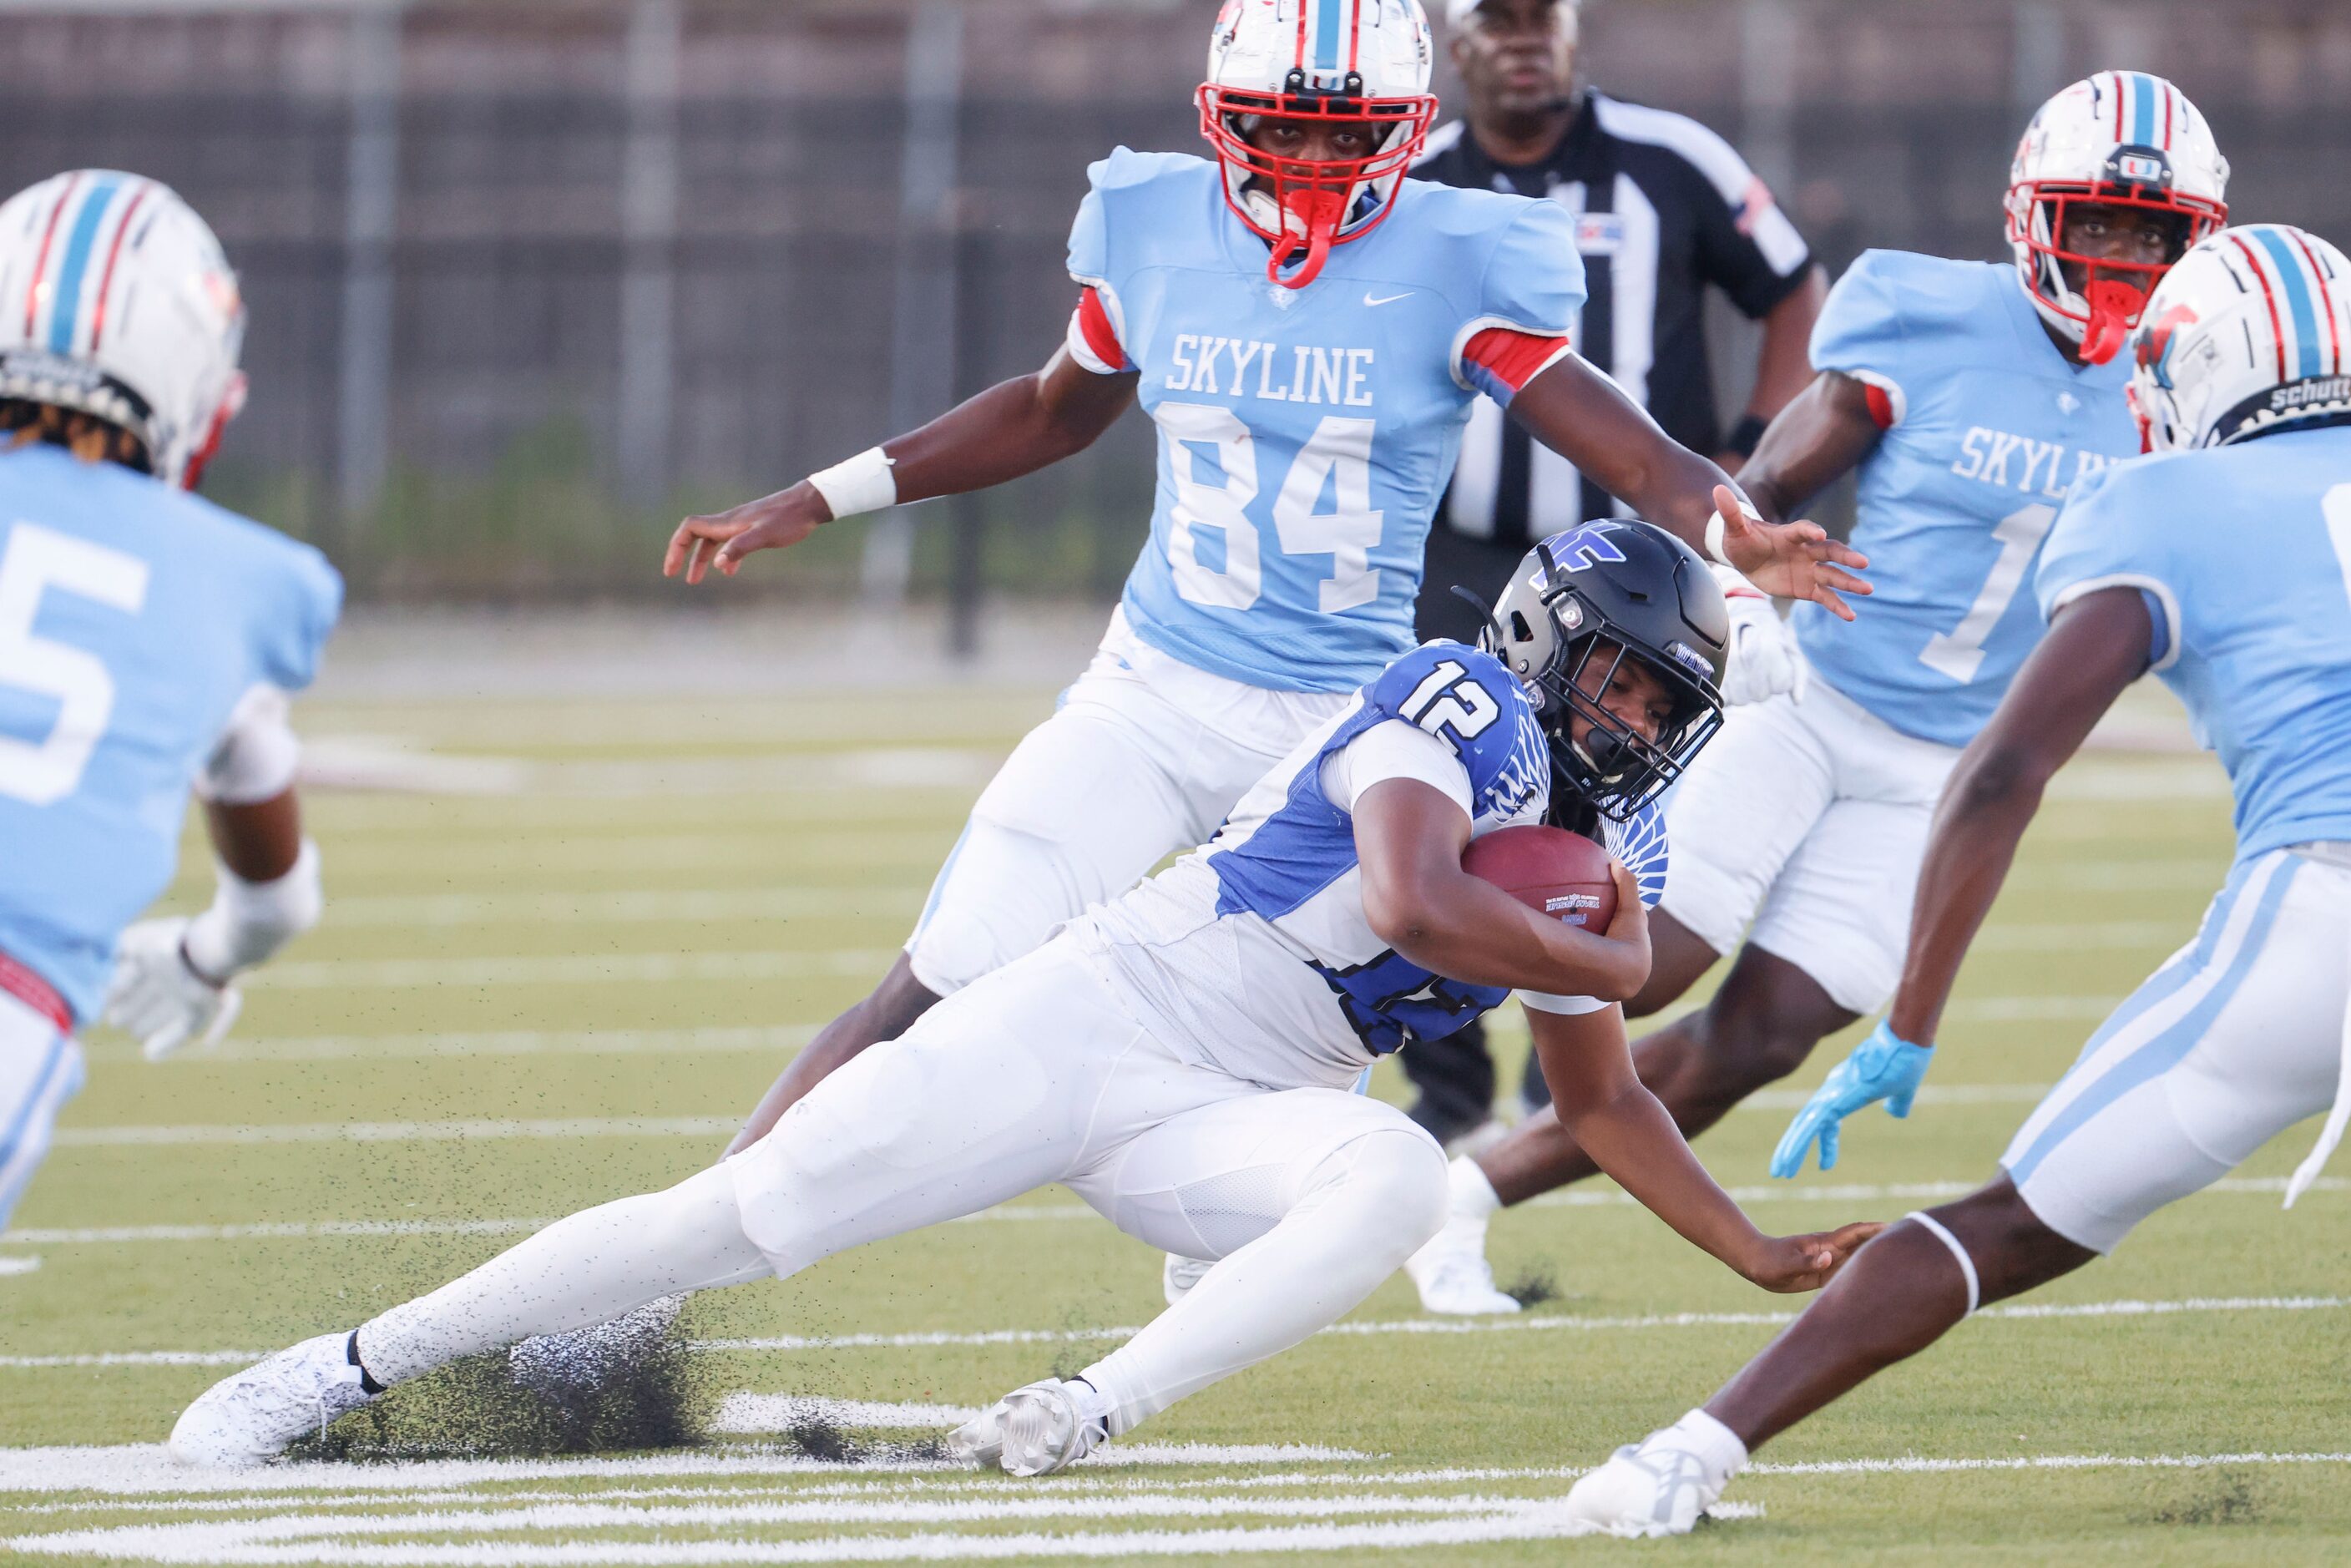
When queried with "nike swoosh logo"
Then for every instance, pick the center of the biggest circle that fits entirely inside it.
(1385, 299)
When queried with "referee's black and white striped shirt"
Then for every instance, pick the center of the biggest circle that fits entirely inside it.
(1663, 207)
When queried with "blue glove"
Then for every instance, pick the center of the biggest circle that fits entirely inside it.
(1883, 1067)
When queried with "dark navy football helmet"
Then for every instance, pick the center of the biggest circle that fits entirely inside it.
(1580, 603)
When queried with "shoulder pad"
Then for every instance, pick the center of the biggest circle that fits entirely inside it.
(1125, 167)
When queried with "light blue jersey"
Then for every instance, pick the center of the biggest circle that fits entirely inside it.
(1256, 948)
(133, 618)
(1989, 426)
(2247, 552)
(1305, 435)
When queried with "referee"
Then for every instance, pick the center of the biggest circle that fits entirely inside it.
(1663, 207)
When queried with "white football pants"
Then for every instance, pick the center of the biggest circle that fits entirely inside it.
(1809, 819)
(1145, 756)
(1307, 1198)
(40, 1070)
(2238, 1036)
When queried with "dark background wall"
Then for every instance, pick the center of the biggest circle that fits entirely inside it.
(526, 278)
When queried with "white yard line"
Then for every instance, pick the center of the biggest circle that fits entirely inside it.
(569, 969)
(747, 1413)
(1529, 1322)
(511, 1043)
(405, 1132)
(438, 909)
(1017, 1213)
(146, 1469)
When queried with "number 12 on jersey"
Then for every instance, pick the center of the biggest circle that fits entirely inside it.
(1337, 455)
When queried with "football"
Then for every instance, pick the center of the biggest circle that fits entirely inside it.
(1547, 869)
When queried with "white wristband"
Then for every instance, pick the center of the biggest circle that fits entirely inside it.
(249, 921)
(1717, 526)
(865, 483)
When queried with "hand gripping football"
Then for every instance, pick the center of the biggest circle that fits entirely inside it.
(1548, 870)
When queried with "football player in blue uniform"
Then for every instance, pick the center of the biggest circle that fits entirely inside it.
(1970, 396)
(1181, 1057)
(1308, 329)
(148, 640)
(2224, 565)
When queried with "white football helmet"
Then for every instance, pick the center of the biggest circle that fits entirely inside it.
(115, 300)
(1319, 60)
(2250, 330)
(2118, 139)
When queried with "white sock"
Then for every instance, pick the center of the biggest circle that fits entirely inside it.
(1724, 1454)
(1472, 1197)
(587, 1269)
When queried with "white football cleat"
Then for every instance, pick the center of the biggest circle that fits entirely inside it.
(252, 1417)
(1452, 1274)
(1031, 1431)
(1658, 1486)
(981, 1440)
(1178, 1275)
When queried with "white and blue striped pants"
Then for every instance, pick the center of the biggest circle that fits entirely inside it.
(2238, 1036)
(40, 1070)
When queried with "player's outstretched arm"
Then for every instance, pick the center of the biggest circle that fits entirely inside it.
(1586, 418)
(1629, 1133)
(2096, 646)
(1825, 430)
(1408, 839)
(1013, 428)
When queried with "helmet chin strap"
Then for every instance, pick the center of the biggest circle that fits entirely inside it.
(1309, 222)
(2113, 306)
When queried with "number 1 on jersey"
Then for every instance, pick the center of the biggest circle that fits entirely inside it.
(1959, 652)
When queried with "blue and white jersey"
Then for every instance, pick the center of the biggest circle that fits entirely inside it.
(1985, 426)
(1254, 951)
(2246, 552)
(1305, 435)
(134, 618)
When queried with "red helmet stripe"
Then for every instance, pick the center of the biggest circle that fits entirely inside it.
(2122, 90)
(113, 253)
(41, 259)
(2269, 298)
(2325, 298)
(2167, 117)
(1301, 61)
(1355, 32)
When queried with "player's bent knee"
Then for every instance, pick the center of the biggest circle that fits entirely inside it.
(1400, 1174)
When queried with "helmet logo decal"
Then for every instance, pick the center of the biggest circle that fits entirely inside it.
(2155, 342)
(1690, 659)
(1580, 549)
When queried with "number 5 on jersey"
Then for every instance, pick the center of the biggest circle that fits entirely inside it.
(1450, 706)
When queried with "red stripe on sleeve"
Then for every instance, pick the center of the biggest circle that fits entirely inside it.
(1512, 357)
(1881, 407)
(1094, 323)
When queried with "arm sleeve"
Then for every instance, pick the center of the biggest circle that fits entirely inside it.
(1393, 750)
(256, 756)
(1533, 287)
(1746, 245)
(1093, 341)
(1860, 335)
(2103, 540)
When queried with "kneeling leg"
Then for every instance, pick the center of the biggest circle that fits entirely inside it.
(1309, 1197)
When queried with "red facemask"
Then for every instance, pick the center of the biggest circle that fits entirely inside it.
(2115, 291)
(1314, 199)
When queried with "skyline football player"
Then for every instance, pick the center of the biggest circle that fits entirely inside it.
(1181, 1057)
(1968, 395)
(1307, 328)
(148, 641)
(2223, 564)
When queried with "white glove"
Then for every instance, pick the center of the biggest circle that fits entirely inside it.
(157, 996)
(1764, 658)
